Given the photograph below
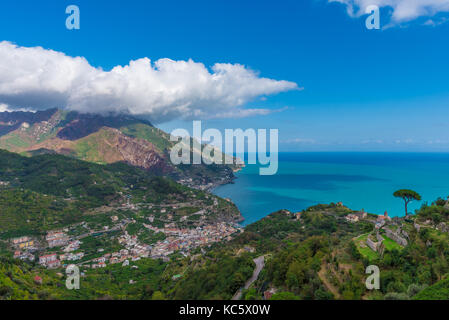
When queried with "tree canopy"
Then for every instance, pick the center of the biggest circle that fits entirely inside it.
(407, 196)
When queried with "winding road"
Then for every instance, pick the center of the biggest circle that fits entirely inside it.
(260, 264)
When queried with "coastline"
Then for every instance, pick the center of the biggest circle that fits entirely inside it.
(307, 179)
(230, 180)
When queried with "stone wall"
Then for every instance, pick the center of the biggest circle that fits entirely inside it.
(396, 237)
(379, 237)
(370, 243)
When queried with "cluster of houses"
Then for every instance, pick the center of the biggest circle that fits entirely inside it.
(357, 216)
(50, 261)
(188, 239)
(382, 220)
(24, 248)
(72, 246)
(133, 251)
(100, 262)
(123, 256)
(23, 242)
(71, 256)
(59, 239)
(54, 260)
(177, 239)
(56, 239)
(24, 255)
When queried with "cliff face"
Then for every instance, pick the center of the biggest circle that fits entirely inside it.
(102, 139)
(139, 153)
(108, 145)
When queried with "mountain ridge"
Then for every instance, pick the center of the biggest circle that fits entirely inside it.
(104, 139)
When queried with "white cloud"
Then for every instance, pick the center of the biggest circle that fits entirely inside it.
(163, 90)
(6, 108)
(301, 141)
(243, 113)
(438, 141)
(401, 10)
(3, 107)
(405, 141)
(372, 141)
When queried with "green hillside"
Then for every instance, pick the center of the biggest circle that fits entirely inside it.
(47, 191)
(154, 135)
(439, 291)
(105, 139)
(310, 258)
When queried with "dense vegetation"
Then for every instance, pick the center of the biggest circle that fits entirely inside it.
(17, 282)
(296, 268)
(95, 184)
(50, 191)
(217, 276)
(310, 258)
(439, 291)
(311, 255)
(26, 212)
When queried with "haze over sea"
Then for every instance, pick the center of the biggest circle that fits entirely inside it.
(360, 180)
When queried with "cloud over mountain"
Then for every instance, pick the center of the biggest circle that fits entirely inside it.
(402, 10)
(162, 90)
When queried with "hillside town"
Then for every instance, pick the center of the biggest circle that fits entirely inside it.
(59, 248)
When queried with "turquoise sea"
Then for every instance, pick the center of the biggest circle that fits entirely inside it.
(360, 180)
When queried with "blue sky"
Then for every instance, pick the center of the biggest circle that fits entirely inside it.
(385, 90)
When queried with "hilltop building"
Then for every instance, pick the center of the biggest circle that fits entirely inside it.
(383, 217)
